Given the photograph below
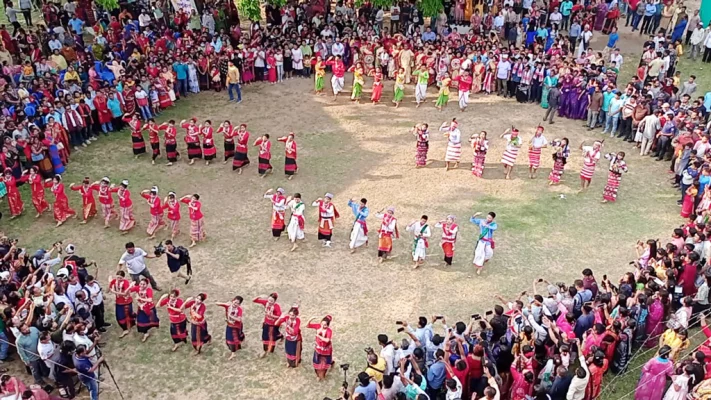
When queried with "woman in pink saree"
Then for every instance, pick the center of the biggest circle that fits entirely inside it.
(655, 327)
(654, 376)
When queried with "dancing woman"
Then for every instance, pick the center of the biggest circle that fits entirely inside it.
(208, 143)
(198, 323)
(513, 145)
(172, 204)
(153, 138)
(62, 212)
(618, 166)
(88, 203)
(278, 211)
(147, 317)
(37, 189)
(14, 199)
(290, 166)
(241, 159)
(229, 133)
(125, 316)
(171, 141)
(323, 346)
(479, 148)
(234, 334)
(399, 87)
(454, 144)
(449, 237)
(292, 336)
(591, 156)
(192, 139)
(106, 200)
(139, 144)
(270, 330)
(327, 213)
(178, 322)
(156, 209)
(197, 224)
(265, 155)
(561, 152)
(126, 220)
(535, 146)
(421, 132)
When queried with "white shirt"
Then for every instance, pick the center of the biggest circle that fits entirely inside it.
(457, 394)
(83, 339)
(97, 296)
(379, 16)
(46, 351)
(62, 298)
(55, 44)
(707, 42)
(394, 13)
(618, 59)
(338, 49)
(72, 291)
(135, 263)
(388, 353)
(144, 20)
(556, 17)
(538, 142)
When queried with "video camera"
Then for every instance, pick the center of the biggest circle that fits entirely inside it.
(159, 250)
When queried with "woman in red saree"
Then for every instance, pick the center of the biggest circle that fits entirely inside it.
(129, 98)
(37, 190)
(271, 66)
(14, 200)
(88, 203)
(164, 99)
(598, 366)
(60, 136)
(203, 68)
(62, 212)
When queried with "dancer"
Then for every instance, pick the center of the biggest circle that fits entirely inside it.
(358, 82)
(208, 141)
(465, 86)
(147, 317)
(270, 330)
(106, 200)
(513, 144)
(591, 155)
(126, 220)
(178, 322)
(229, 133)
(153, 138)
(454, 144)
(14, 199)
(37, 189)
(561, 152)
(198, 323)
(171, 141)
(319, 75)
(156, 209)
(618, 166)
(377, 87)
(399, 87)
(197, 224)
(296, 226)
(192, 139)
(290, 167)
(338, 79)
(62, 212)
(443, 97)
(535, 146)
(139, 144)
(480, 145)
(234, 334)
(119, 286)
(485, 245)
(359, 232)
(292, 336)
(423, 77)
(421, 231)
(278, 211)
(388, 229)
(422, 134)
(241, 159)
(449, 237)
(172, 204)
(265, 155)
(326, 214)
(323, 346)
(88, 203)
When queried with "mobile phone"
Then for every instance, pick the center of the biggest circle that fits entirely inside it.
(540, 280)
(398, 322)
(488, 313)
(476, 316)
(604, 277)
(438, 317)
(399, 330)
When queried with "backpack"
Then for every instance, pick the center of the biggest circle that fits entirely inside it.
(184, 258)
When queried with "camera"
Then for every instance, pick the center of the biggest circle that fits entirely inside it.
(345, 367)
(159, 250)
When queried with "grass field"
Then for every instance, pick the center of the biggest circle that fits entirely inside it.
(354, 151)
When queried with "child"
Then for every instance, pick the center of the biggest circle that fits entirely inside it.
(155, 101)
(215, 77)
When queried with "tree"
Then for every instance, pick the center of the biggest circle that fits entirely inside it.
(108, 5)
(431, 8)
(247, 8)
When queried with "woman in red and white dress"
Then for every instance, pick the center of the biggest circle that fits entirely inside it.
(62, 212)
(234, 334)
(139, 144)
(172, 204)
(290, 167)
(126, 220)
(229, 133)
(156, 208)
(198, 323)
(479, 147)
(278, 211)
(591, 156)
(197, 224)
(265, 155)
(125, 316)
(292, 336)
(513, 145)
(449, 237)
(178, 322)
(208, 142)
(153, 138)
(241, 158)
(14, 199)
(171, 141)
(88, 203)
(323, 347)
(147, 317)
(106, 200)
(535, 146)
(270, 330)
(37, 189)
(192, 139)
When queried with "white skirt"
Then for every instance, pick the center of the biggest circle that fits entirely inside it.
(420, 251)
(337, 84)
(294, 231)
(482, 253)
(454, 152)
(358, 238)
(420, 92)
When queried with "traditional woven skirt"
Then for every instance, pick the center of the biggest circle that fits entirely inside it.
(194, 151)
(318, 85)
(292, 350)
(156, 222)
(199, 334)
(40, 203)
(325, 232)
(264, 166)
(377, 93)
(290, 167)
(278, 225)
(454, 152)
(557, 171)
(442, 100)
(448, 249)
(322, 362)
(229, 150)
(156, 149)
(88, 210)
(587, 172)
(145, 321)
(125, 316)
(179, 332)
(478, 164)
(534, 158)
(62, 212)
(174, 225)
(509, 157)
(613, 184)
(126, 221)
(139, 145)
(357, 91)
(171, 151)
(107, 211)
(234, 336)
(270, 335)
(399, 94)
(197, 230)
(209, 151)
(240, 160)
(14, 200)
(421, 154)
(385, 244)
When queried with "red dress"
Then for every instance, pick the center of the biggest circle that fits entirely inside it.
(14, 199)
(62, 212)
(87, 200)
(156, 213)
(197, 225)
(290, 166)
(198, 324)
(178, 325)
(37, 190)
(377, 87)
(208, 144)
(271, 65)
(323, 350)
(265, 155)
(270, 329)
(153, 138)
(139, 145)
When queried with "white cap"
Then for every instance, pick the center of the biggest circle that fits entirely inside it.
(70, 249)
(63, 273)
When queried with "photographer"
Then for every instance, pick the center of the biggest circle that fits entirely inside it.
(134, 260)
(86, 367)
(366, 386)
(376, 365)
(177, 256)
(76, 265)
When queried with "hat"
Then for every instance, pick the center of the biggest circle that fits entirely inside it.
(124, 182)
(105, 179)
(280, 190)
(70, 249)
(329, 195)
(171, 194)
(540, 128)
(5, 275)
(391, 209)
(154, 189)
(62, 273)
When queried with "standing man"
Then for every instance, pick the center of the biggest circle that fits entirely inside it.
(503, 74)
(359, 233)
(395, 18)
(86, 368)
(566, 8)
(134, 261)
(27, 350)
(421, 231)
(96, 294)
(694, 21)
(26, 8)
(553, 101)
(484, 248)
(695, 38)
(339, 70)
(233, 82)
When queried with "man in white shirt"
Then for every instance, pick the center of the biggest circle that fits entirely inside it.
(338, 49)
(617, 58)
(379, 16)
(503, 72)
(556, 17)
(326, 32)
(54, 44)
(11, 13)
(48, 352)
(697, 36)
(707, 48)
(144, 19)
(395, 18)
(576, 390)
(96, 295)
(259, 64)
(387, 353)
(134, 261)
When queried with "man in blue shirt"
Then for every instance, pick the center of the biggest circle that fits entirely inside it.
(181, 70)
(613, 114)
(436, 375)
(612, 40)
(366, 387)
(566, 8)
(574, 34)
(77, 25)
(86, 369)
(484, 249)
(649, 11)
(429, 36)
